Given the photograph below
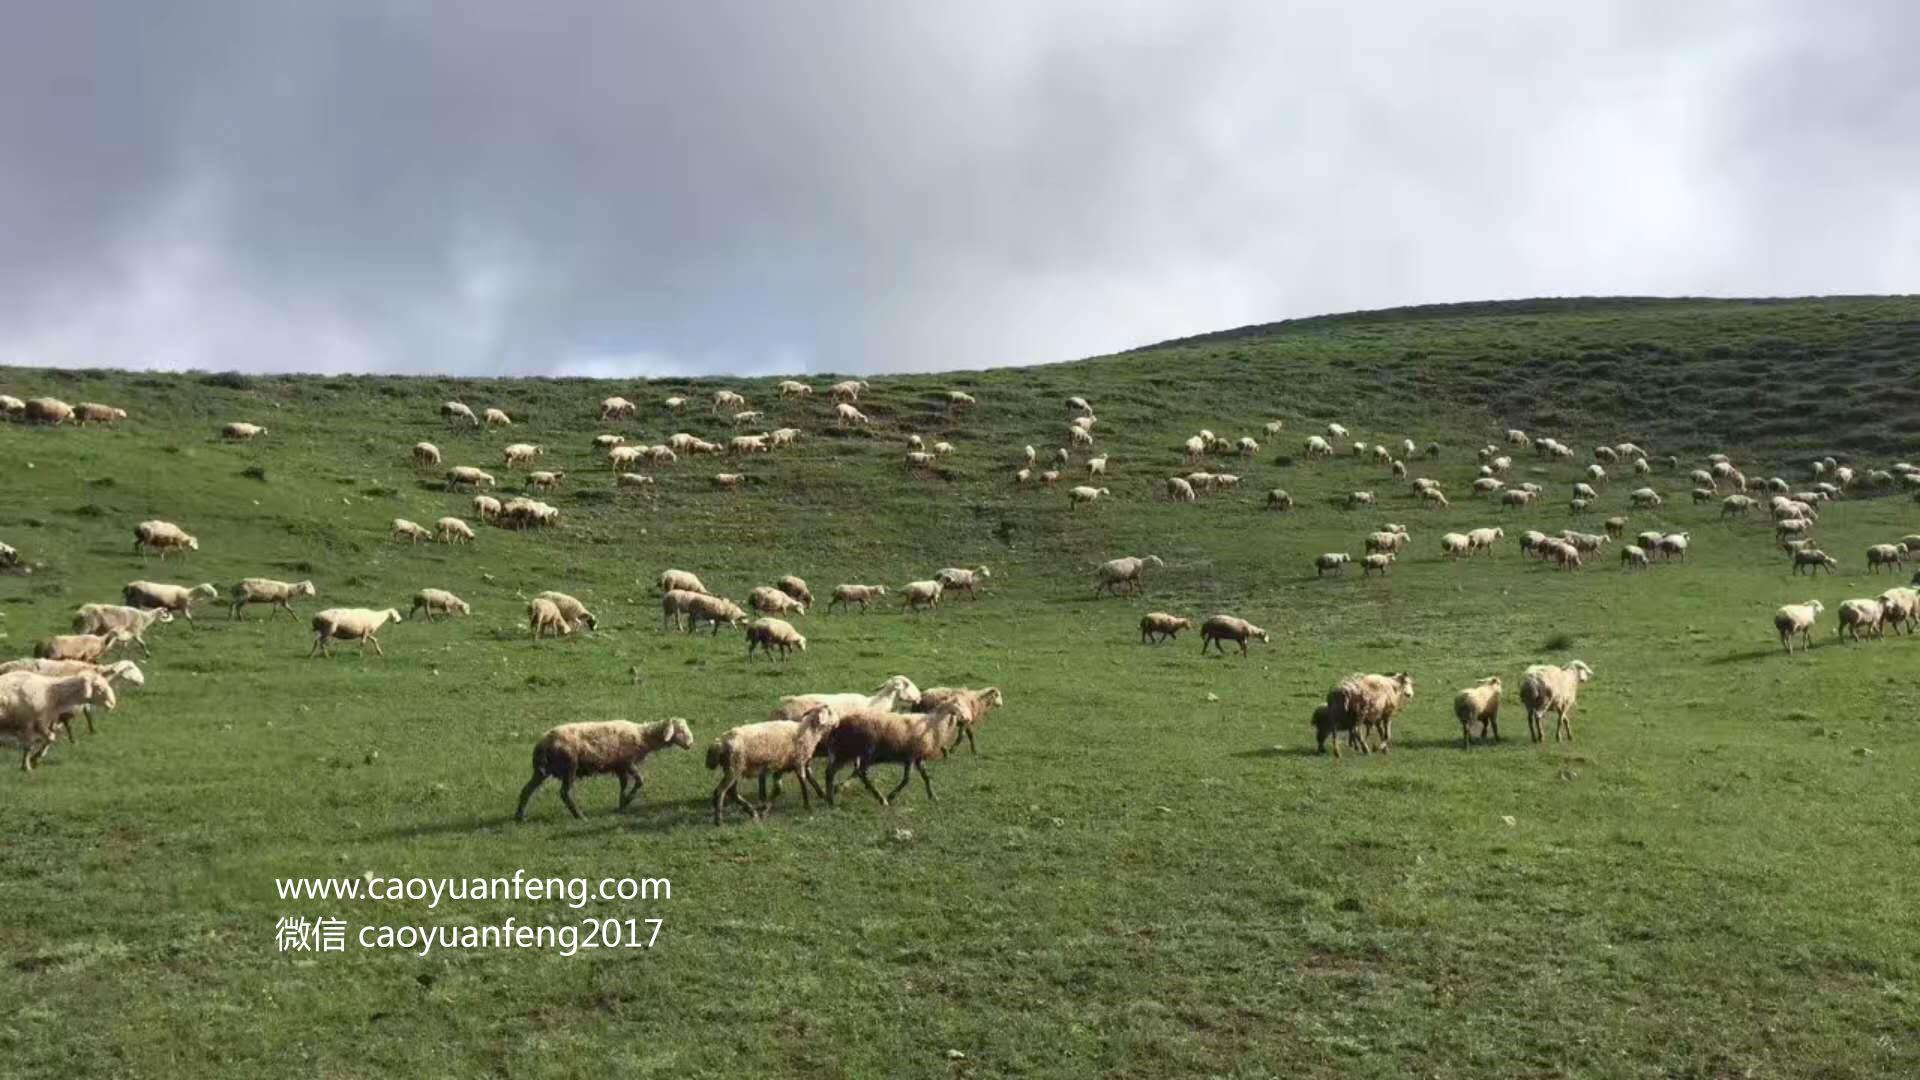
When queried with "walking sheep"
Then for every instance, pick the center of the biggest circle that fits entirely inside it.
(768, 748)
(437, 601)
(1157, 626)
(350, 624)
(31, 704)
(856, 594)
(100, 618)
(1479, 703)
(1366, 703)
(1115, 572)
(867, 738)
(175, 598)
(256, 590)
(1544, 689)
(571, 751)
(162, 536)
(768, 634)
(1220, 628)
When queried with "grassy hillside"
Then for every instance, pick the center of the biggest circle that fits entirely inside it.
(1144, 871)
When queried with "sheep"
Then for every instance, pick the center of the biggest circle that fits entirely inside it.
(31, 704)
(1365, 703)
(1703, 495)
(94, 412)
(768, 748)
(1359, 449)
(625, 457)
(1336, 431)
(1061, 458)
(452, 530)
(846, 415)
(467, 476)
(1200, 481)
(1735, 506)
(1359, 498)
(135, 622)
(1380, 561)
(728, 481)
(615, 407)
(769, 633)
(425, 453)
(1079, 437)
(241, 432)
(116, 672)
(1275, 427)
(943, 448)
(673, 604)
(683, 580)
(9, 557)
(856, 594)
(1318, 447)
(46, 410)
(1479, 704)
(1858, 615)
(1518, 497)
(1641, 468)
(866, 737)
(1901, 608)
(794, 388)
(1674, 546)
(1157, 626)
(350, 624)
(256, 590)
(1086, 496)
(1331, 562)
(751, 416)
(898, 690)
(521, 512)
(1585, 543)
(1645, 497)
(1220, 628)
(1180, 490)
(955, 578)
(162, 536)
(1585, 491)
(673, 404)
(632, 479)
(918, 459)
(1097, 466)
(1632, 556)
(1433, 495)
(440, 601)
(1279, 499)
(1887, 555)
(918, 594)
(1127, 570)
(1247, 446)
(1487, 485)
(410, 531)
(1616, 526)
(176, 598)
(497, 418)
(1079, 405)
(958, 400)
(544, 480)
(87, 647)
(849, 390)
(772, 601)
(544, 618)
(12, 408)
(454, 410)
(520, 453)
(571, 751)
(1561, 554)
(572, 610)
(786, 436)
(1484, 539)
(1455, 545)
(1792, 527)
(713, 610)
(1545, 688)
(1389, 541)
(1224, 481)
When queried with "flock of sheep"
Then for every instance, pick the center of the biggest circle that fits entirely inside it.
(898, 723)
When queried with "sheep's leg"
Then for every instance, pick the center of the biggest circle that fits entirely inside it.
(629, 785)
(1491, 722)
(833, 766)
(719, 796)
(375, 642)
(967, 730)
(860, 770)
(566, 793)
(526, 794)
(86, 711)
(906, 777)
(1565, 724)
(921, 767)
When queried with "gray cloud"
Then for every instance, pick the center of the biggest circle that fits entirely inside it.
(623, 188)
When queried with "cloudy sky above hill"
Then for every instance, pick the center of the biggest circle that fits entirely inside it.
(631, 188)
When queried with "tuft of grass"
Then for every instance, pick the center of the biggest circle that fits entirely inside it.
(1559, 642)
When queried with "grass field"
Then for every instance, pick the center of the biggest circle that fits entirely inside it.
(1145, 871)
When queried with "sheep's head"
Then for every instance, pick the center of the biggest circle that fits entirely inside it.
(100, 691)
(303, 588)
(1581, 672)
(162, 615)
(1154, 560)
(991, 698)
(1403, 685)
(393, 615)
(128, 670)
(1491, 680)
(679, 734)
(204, 589)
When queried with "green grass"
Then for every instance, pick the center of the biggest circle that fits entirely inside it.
(1145, 871)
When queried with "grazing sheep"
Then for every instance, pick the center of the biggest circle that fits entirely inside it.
(1519, 497)
(467, 476)
(866, 737)
(715, 611)
(1079, 436)
(846, 415)
(673, 404)
(616, 407)
(1736, 506)
(425, 453)
(242, 432)
(1318, 447)
(572, 610)
(942, 449)
(1381, 562)
(1487, 485)
(544, 480)
(1858, 615)
(1479, 704)
(1645, 497)
(1179, 490)
(521, 453)
(856, 594)
(1079, 405)
(544, 619)
(629, 479)
(259, 590)
(1086, 496)
(1275, 427)
(1887, 555)
(454, 410)
(1814, 559)
(1360, 704)
(728, 481)
(769, 633)
(772, 601)
(848, 390)
(1359, 498)
(1220, 628)
(1097, 466)
(1560, 553)
(162, 536)
(1388, 541)
(94, 412)
(1050, 477)
(768, 748)
(794, 388)
(87, 647)
(1157, 626)
(1433, 495)
(1114, 572)
(452, 530)
(1331, 562)
(796, 588)
(957, 400)
(1633, 555)
(497, 418)
(918, 594)
(101, 618)
(681, 579)
(31, 704)
(917, 459)
(350, 624)
(12, 408)
(571, 751)
(438, 601)
(1544, 689)
(786, 436)
(176, 598)
(410, 531)
(1616, 527)
(1279, 499)
(751, 416)
(1483, 539)
(625, 457)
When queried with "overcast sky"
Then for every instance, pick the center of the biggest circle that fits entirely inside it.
(630, 188)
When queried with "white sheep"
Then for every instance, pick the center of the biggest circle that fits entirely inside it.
(959, 578)
(452, 530)
(1633, 556)
(571, 751)
(1157, 626)
(411, 531)
(768, 748)
(467, 476)
(454, 410)
(771, 601)
(944, 448)
(115, 673)
(1484, 539)
(728, 481)
(1279, 499)
(918, 594)
(1220, 628)
(972, 705)
(1381, 562)
(848, 390)
(1097, 466)
(135, 622)
(1318, 447)
(1086, 496)
(1545, 688)
(242, 432)
(85, 647)
(1455, 545)
(846, 415)
(1079, 404)
(256, 590)
(1360, 704)
(1359, 498)
(1479, 704)
(438, 601)
(162, 536)
(545, 480)
(425, 453)
(683, 580)
(1334, 562)
(520, 453)
(1114, 572)
(31, 704)
(1858, 615)
(1887, 555)
(1275, 427)
(615, 407)
(673, 404)
(350, 624)
(573, 611)
(497, 418)
(176, 598)
(1645, 497)
(544, 619)
(1180, 490)
(794, 388)
(768, 634)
